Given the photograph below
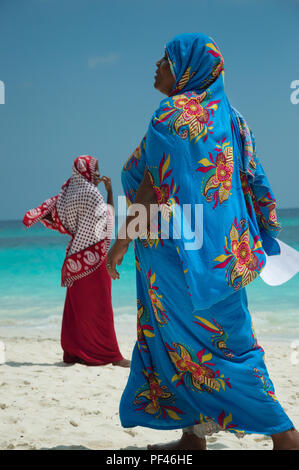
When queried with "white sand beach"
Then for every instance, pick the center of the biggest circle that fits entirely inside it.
(45, 404)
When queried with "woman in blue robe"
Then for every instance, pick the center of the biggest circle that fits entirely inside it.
(196, 364)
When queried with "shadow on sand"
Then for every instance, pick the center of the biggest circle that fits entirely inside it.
(22, 364)
(66, 448)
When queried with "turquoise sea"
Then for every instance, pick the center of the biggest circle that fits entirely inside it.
(31, 299)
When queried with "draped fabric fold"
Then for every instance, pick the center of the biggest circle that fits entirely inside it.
(192, 155)
(196, 360)
(260, 200)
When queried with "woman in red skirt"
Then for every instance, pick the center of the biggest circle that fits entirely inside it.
(87, 334)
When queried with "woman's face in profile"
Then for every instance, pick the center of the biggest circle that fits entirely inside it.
(164, 80)
(97, 176)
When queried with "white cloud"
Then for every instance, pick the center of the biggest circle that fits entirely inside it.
(102, 61)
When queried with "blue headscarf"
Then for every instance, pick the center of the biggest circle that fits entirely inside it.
(195, 62)
(200, 151)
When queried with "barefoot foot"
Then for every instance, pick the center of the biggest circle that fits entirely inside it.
(187, 442)
(122, 363)
(288, 440)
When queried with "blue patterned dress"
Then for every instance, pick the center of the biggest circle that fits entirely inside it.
(196, 360)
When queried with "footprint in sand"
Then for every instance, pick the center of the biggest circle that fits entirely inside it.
(132, 433)
(73, 423)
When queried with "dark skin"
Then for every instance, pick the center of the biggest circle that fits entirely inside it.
(107, 182)
(145, 195)
(288, 440)
(164, 80)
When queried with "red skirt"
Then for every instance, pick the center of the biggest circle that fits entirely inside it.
(87, 334)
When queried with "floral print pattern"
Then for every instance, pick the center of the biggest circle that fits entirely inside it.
(135, 157)
(219, 171)
(241, 261)
(267, 387)
(195, 352)
(159, 311)
(166, 190)
(156, 399)
(219, 338)
(195, 373)
(144, 329)
(217, 68)
(253, 205)
(190, 115)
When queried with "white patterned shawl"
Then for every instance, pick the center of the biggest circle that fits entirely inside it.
(83, 211)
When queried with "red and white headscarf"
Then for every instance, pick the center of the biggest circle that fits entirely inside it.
(81, 212)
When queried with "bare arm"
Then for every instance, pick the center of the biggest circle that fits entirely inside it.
(108, 186)
(110, 198)
(146, 196)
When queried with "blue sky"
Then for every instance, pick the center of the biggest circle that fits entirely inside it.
(79, 80)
